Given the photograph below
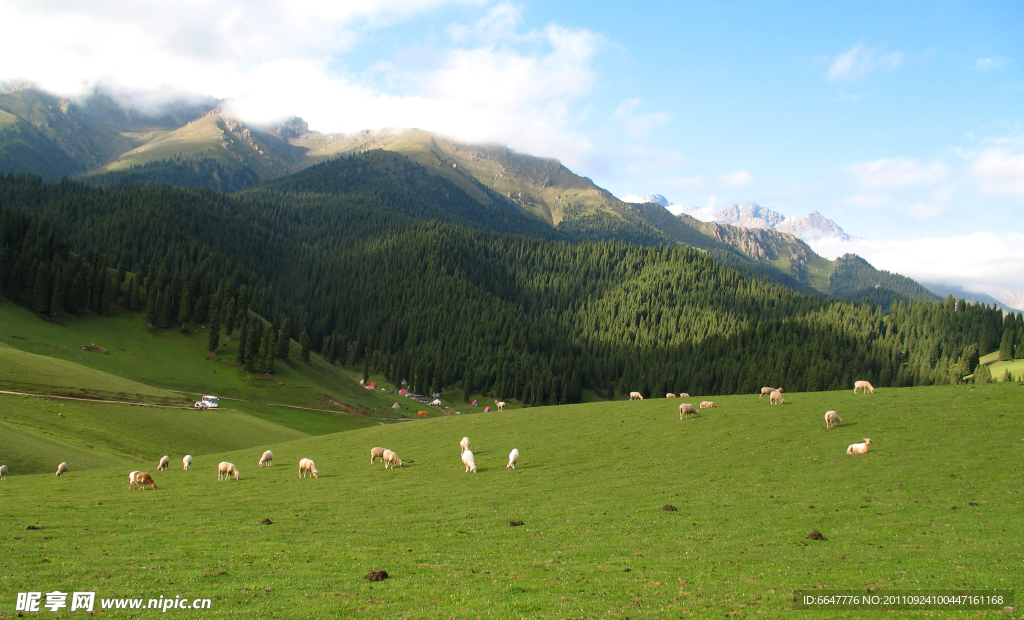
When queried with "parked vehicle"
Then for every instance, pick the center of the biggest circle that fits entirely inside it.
(208, 402)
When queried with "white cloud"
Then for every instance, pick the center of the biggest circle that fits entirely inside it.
(868, 201)
(924, 211)
(898, 172)
(697, 182)
(989, 64)
(859, 61)
(738, 178)
(999, 171)
(640, 125)
(276, 58)
(980, 262)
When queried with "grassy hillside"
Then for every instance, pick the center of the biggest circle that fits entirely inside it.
(750, 481)
(38, 433)
(219, 138)
(39, 374)
(308, 397)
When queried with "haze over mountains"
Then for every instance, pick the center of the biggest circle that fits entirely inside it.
(199, 145)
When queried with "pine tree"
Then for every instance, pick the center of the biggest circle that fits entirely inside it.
(983, 374)
(152, 304)
(269, 344)
(304, 342)
(243, 335)
(214, 336)
(284, 341)
(1006, 343)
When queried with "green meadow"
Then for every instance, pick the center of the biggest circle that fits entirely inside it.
(935, 504)
(313, 398)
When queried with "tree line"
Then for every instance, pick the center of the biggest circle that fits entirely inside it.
(358, 278)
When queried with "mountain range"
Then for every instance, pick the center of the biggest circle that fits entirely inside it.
(199, 144)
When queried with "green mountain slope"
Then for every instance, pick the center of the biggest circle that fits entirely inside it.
(197, 145)
(522, 318)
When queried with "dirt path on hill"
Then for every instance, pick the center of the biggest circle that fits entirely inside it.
(95, 400)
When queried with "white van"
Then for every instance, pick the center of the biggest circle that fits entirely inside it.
(208, 402)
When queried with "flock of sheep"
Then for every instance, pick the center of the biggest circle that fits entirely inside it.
(226, 470)
(832, 418)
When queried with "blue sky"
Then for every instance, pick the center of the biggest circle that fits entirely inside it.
(904, 122)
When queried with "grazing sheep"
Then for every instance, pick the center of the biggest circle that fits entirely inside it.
(226, 469)
(707, 404)
(374, 453)
(464, 445)
(832, 420)
(864, 387)
(142, 479)
(267, 459)
(684, 395)
(859, 448)
(670, 395)
(62, 469)
(775, 398)
(307, 465)
(165, 462)
(636, 396)
(467, 460)
(131, 480)
(687, 408)
(500, 404)
(3, 472)
(186, 462)
(513, 456)
(391, 459)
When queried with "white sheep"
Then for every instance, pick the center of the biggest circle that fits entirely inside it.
(226, 470)
(500, 404)
(3, 472)
(768, 390)
(687, 408)
(775, 398)
(832, 420)
(464, 445)
(707, 404)
(131, 479)
(165, 462)
(636, 396)
(684, 395)
(859, 448)
(62, 469)
(307, 465)
(513, 456)
(376, 452)
(391, 459)
(670, 395)
(863, 386)
(467, 460)
(267, 459)
(186, 462)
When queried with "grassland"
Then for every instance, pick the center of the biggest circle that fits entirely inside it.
(935, 504)
(309, 397)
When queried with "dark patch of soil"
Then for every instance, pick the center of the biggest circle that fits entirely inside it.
(669, 507)
(376, 575)
(92, 349)
(972, 503)
(34, 527)
(816, 535)
(515, 523)
(266, 522)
